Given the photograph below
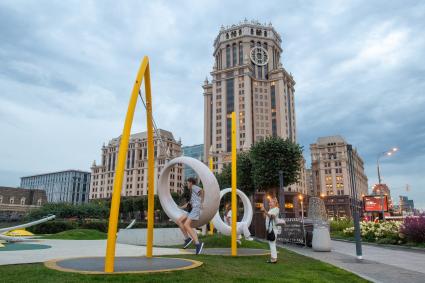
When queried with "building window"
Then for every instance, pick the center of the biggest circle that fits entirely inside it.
(12, 200)
(1, 199)
(230, 102)
(240, 53)
(234, 54)
(228, 56)
(23, 201)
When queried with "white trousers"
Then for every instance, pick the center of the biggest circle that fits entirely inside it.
(272, 245)
(245, 229)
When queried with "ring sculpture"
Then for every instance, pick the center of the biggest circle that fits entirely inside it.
(247, 214)
(211, 191)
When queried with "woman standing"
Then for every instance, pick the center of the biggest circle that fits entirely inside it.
(271, 218)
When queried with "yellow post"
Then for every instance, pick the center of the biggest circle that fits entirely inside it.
(212, 169)
(151, 164)
(234, 200)
(122, 154)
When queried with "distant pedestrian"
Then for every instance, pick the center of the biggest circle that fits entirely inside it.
(271, 228)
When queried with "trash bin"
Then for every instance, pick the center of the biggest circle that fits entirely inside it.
(321, 239)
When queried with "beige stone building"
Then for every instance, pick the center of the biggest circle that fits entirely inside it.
(330, 170)
(135, 177)
(249, 79)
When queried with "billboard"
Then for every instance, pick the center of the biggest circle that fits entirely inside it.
(374, 203)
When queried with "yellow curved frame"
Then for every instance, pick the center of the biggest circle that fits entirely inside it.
(143, 73)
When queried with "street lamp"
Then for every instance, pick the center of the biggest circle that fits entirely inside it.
(382, 154)
(300, 197)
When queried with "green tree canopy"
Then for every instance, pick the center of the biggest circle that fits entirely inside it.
(270, 156)
(244, 171)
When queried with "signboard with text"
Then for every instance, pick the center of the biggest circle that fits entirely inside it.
(374, 203)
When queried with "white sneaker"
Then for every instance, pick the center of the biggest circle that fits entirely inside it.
(249, 238)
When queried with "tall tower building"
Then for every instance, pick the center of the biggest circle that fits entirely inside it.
(249, 79)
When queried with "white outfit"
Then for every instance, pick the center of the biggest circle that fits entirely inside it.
(245, 229)
(275, 212)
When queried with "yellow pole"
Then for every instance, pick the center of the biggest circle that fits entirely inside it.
(119, 170)
(151, 164)
(234, 200)
(212, 170)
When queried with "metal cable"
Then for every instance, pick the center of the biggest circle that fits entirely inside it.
(155, 127)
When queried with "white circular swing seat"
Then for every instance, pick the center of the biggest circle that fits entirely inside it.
(225, 229)
(210, 185)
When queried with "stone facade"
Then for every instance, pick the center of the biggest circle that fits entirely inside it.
(330, 168)
(248, 79)
(16, 202)
(136, 168)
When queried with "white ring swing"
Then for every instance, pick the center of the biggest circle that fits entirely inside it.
(247, 214)
(211, 191)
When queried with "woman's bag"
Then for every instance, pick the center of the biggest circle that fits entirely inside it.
(270, 235)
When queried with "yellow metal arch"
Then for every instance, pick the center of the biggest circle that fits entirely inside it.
(143, 73)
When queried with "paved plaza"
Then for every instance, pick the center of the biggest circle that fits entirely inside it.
(379, 264)
(75, 248)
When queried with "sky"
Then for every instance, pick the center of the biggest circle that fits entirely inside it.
(67, 69)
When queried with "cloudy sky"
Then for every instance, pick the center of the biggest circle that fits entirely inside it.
(66, 72)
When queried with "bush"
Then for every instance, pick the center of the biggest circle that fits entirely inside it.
(413, 229)
(101, 226)
(340, 225)
(53, 227)
(387, 241)
(372, 232)
(66, 210)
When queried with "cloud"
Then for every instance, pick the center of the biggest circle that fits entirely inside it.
(67, 70)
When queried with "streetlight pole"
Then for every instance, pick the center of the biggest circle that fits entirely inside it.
(281, 193)
(356, 217)
(385, 153)
(300, 197)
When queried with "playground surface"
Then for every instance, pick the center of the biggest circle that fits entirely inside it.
(75, 248)
(291, 267)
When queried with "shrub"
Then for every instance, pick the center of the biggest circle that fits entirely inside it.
(413, 229)
(340, 225)
(101, 226)
(53, 227)
(372, 232)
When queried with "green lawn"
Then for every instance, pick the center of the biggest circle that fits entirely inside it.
(290, 268)
(77, 234)
(221, 241)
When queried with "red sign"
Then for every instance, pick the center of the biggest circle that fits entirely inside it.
(374, 203)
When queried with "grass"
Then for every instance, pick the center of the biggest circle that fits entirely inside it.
(221, 241)
(290, 268)
(78, 234)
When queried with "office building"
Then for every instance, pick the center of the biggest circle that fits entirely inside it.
(70, 186)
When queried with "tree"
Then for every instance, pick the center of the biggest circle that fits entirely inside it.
(225, 177)
(244, 173)
(270, 156)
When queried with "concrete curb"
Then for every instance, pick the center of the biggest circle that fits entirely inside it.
(391, 247)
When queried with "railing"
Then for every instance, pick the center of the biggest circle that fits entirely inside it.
(295, 231)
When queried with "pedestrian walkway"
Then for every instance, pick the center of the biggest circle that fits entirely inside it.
(378, 265)
(75, 248)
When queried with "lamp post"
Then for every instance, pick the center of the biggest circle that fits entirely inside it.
(356, 217)
(382, 154)
(281, 193)
(300, 197)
